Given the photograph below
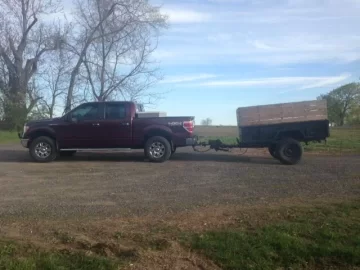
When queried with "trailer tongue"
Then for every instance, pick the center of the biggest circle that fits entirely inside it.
(279, 127)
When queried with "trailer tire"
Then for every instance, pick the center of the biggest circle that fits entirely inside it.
(289, 151)
(157, 149)
(272, 151)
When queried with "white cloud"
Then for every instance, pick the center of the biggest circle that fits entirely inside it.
(177, 15)
(188, 78)
(303, 82)
(327, 82)
(266, 33)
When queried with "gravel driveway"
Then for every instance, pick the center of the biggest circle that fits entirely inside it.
(122, 184)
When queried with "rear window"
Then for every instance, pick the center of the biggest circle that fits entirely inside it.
(115, 111)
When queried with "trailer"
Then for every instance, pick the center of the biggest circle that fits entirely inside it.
(282, 128)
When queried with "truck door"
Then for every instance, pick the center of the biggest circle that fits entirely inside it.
(81, 129)
(117, 125)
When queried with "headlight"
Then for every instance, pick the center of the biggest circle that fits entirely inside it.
(25, 128)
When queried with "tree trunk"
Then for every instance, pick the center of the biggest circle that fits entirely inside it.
(15, 110)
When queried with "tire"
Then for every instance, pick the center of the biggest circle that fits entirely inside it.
(272, 151)
(43, 149)
(157, 149)
(66, 153)
(289, 151)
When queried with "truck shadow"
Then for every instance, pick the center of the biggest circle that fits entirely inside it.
(23, 157)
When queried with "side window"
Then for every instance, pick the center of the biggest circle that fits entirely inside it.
(115, 111)
(86, 112)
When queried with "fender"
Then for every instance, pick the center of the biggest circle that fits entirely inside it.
(157, 130)
(35, 131)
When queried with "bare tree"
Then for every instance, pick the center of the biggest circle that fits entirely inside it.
(53, 80)
(206, 122)
(113, 46)
(23, 42)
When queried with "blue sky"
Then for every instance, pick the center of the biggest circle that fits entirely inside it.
(218, 55)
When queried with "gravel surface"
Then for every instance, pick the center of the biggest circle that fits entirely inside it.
(122, 184)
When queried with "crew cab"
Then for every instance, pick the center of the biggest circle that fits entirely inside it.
(106, 125)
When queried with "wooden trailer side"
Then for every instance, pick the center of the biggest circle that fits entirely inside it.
(282, 113)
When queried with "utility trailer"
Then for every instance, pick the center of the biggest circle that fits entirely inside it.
(279, 127)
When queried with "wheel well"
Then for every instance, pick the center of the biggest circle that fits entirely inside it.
(40, 133)
(294, 134)
(159, 132)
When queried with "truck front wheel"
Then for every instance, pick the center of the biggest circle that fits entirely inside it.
(43, 149)
(157, 149)
(289, 151)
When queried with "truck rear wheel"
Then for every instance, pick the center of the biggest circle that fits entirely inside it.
(157, 149)
(289, 151)
(43, 149)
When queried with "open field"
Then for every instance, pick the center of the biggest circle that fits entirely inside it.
(110, 210)
(341, 140)
(8, 137)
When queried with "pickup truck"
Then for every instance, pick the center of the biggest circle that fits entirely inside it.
(106, 125)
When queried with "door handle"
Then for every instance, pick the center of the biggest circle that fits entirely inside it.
(125, 124)
(96, 124)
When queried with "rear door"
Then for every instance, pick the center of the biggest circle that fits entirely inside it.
(117, 125)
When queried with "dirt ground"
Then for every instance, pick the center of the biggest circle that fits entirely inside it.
(112, 203)
(123, 184)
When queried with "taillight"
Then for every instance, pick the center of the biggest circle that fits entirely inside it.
(189, 126)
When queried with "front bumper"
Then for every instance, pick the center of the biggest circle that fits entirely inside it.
(24, 142)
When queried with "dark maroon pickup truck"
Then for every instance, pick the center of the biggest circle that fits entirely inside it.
(107, 125)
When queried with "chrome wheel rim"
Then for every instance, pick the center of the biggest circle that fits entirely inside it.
(43, 150)
(157, 150)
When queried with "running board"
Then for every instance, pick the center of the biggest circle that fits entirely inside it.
(96, 149)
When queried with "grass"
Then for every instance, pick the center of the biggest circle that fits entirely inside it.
(340, 140)
(317, 237)
(16, 257)
(8, 137)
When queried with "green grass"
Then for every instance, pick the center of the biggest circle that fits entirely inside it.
(340, 140)
(313, 238)
(16, 257)
(224, 139)
(8, 137)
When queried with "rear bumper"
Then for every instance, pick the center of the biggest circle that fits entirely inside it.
(23, 142)
(190, 141)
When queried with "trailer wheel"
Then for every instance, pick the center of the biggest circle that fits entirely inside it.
(157, 149)
(272, 151)
(289, 151)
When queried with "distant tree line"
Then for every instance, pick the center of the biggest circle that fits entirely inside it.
(343, 104)
(103, 52)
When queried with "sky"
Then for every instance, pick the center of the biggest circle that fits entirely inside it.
(218, 55)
